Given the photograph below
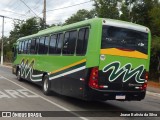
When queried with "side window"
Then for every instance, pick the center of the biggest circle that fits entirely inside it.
(82, 41)
(72, 42)
(32, 48)
(52, 44)
(22, 47)
(85, 41)
(69, 42)
(46, 44)
(65, 43)
(29, 46)
(19, 47)
(37, 45)
(25, 47)
(41, 49)
(59, 43)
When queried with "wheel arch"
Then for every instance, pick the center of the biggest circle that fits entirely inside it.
(17, 68)
(44, 74)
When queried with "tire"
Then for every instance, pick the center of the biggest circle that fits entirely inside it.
(19, 75)
(46, 85)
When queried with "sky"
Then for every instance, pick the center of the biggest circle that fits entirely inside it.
(17, 9)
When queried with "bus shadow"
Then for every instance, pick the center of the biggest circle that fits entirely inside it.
(89, 105)
(80, 104)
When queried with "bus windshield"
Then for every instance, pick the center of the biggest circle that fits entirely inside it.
(122, 38)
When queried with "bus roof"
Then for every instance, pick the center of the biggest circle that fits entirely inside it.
(103, 21)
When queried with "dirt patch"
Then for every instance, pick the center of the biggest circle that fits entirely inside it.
(153, 84)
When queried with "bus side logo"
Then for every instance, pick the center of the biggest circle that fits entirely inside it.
(26, 68)
(126, 69)
(27, 71)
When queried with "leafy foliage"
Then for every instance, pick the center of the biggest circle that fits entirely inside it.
(80, 16)
(107, 8)
(30, 26)
(125, 13)
(154, 14)
(155, 58)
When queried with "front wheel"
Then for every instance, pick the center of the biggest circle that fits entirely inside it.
(19, 75)
(46, 85)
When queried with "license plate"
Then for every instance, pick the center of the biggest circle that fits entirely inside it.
(120, 97)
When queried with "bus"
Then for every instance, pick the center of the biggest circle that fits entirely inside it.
(96, 59)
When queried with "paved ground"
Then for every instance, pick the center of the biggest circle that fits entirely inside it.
(25, 96)
(152, 89)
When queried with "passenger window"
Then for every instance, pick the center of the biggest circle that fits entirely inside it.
(85, 41)
(41, 49)
(69, 42)
(37, 45)
(19, 47)
(65, 43)
(52, 44)
(32, 48)
(82, 41)
(22, 47)
(29, 45)
(46, 44)
(72, 42)
(59, 44)
(25, 47)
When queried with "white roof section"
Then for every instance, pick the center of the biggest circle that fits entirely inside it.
(127, 25)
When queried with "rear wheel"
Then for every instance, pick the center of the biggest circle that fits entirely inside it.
(46, 85)
(19, 75)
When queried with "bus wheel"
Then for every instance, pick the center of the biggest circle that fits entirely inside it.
(19, 75)
(46, 85)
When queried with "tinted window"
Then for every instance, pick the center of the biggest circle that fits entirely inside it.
(85, 42)
(72, 42)
(65, 43)
(33, 45)
(52, 44)
(41, 49)
(46, 45)
(59, 44)
(29, 45)
(20, 47)
(116, 37)
(37, 45)
(82, 41)
(25, 47)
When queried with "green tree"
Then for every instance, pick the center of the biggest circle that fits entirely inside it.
(24, 28)
(154, 14)
(7, 47)
(80, 16)
(107, 8)
(155, 58)
(30, 26)
(125, 13)
(141, 12)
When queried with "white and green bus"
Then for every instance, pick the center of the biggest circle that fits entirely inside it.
(96, 59)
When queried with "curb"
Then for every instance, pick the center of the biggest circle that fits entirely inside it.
(6, 66)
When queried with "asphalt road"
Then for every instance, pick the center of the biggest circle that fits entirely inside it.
(25, 96)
